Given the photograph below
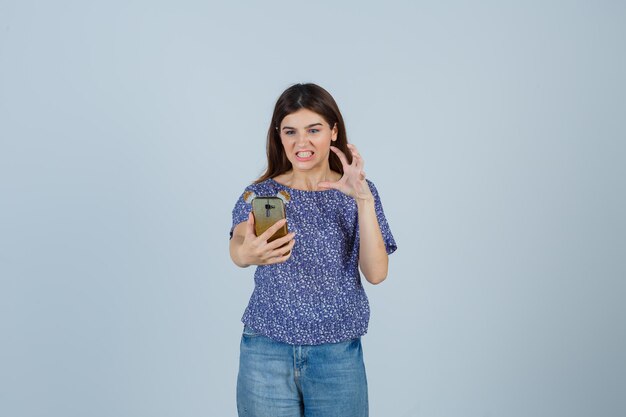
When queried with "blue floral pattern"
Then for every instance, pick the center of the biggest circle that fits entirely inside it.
(316, 296)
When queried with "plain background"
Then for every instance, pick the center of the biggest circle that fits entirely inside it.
(494, 131)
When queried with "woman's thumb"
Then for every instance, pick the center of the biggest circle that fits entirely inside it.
(250, 225)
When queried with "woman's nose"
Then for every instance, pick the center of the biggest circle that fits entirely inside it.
(302, 138)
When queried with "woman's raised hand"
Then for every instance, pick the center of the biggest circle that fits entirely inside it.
(256, 250)
(352, 182)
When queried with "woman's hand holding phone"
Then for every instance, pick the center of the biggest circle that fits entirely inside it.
(255, 250)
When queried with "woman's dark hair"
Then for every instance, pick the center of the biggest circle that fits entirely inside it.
(303, 96)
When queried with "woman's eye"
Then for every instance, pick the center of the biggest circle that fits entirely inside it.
(289, 132)
(314, 130)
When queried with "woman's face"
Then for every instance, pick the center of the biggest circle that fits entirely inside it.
(306, 138)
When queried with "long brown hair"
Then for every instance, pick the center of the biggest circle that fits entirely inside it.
(303, 96)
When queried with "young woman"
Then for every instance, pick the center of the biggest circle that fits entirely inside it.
(300, 352)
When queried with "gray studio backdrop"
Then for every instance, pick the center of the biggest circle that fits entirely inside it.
(493, 130)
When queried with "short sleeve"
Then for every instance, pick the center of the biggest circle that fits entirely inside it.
(240, 212)
(390, 242)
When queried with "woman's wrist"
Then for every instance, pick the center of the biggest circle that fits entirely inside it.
(364, 195)
(240, 257)
(364, 199)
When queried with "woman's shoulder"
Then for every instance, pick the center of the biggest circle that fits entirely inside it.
(373, 188)
(265, 187)
(371, 184)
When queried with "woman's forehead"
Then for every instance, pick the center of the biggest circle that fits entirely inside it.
(303, 118)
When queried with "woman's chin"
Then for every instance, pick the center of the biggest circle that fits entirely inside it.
(304, 165)
(310, 165)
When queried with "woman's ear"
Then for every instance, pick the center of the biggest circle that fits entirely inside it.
(334, 132)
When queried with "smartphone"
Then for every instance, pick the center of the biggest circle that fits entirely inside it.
(267, 211)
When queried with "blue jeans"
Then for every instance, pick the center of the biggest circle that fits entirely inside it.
(282, 380)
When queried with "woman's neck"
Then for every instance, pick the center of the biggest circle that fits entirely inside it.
(307, 180)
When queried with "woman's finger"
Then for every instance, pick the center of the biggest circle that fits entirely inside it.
(280, 241)
(357, 159)
(281, 251)
(341, 155)
(278, 259)
(353, 150)
(272, 229)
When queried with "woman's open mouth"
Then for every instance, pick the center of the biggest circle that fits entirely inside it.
(304, 155)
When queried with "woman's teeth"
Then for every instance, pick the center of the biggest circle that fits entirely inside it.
(304, 154)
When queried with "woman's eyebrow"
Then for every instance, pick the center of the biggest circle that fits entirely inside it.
(311, 125)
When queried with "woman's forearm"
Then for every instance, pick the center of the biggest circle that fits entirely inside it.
(234, 245)
(373, 258)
